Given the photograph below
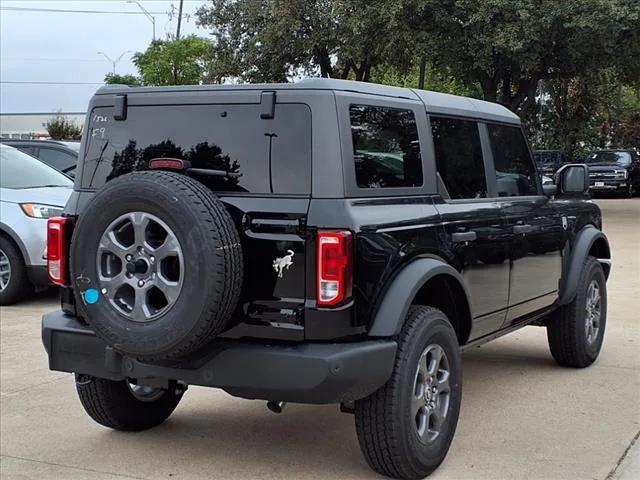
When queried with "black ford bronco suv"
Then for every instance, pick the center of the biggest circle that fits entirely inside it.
(320, 242)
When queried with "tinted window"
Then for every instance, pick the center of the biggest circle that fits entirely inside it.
(19, 170)
(386, 150)
(515, 173)
(27, 150)
(621, 158)
(459, 157)
(58, 159)
(232, 138)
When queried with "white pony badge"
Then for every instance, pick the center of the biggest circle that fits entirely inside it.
(280, 263)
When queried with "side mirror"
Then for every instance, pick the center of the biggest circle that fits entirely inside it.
(572, 179)
(548, 186)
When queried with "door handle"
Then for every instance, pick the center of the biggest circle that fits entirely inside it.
(522, 229)
(463, 237)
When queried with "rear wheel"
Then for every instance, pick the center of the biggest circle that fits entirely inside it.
(576, 331)
(126, 406)
(14, 282)
(406, 427)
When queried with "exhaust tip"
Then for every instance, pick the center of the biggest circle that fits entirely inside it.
(276, 407)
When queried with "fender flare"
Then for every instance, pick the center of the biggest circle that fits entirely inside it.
(584, 240)
(393, 308)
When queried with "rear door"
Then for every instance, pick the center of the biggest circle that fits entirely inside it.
(265, 147)
(535, 224)
(476, 236)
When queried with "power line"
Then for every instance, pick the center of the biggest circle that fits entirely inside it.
(29, 82)
(55, 10)
(37, 59)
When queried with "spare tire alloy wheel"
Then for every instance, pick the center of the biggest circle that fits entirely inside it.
(156, 263)
(140, 266)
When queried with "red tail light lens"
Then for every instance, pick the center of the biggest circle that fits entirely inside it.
(57, 250)
(335, 267)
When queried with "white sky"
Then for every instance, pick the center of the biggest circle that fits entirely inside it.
(62, 47)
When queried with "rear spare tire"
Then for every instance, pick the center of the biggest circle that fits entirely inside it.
(156, 264)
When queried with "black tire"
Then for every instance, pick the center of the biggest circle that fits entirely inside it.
(19, 285)
(387, 429)
(211, 271)
(113, 404)
(569, 341)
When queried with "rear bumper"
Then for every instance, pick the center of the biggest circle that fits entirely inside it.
(305, 373)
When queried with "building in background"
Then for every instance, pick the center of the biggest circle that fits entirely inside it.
(32, 125)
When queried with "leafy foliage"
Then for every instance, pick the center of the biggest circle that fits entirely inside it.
(174, 62)
(115, 79)
(62, 128)
(274, 40)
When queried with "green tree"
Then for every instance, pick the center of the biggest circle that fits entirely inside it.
(62, 128)
(275, 40)
(115, 79)
(509, 46)
(174, 62)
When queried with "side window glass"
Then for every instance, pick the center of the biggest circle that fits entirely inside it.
(386, 150)
(459, 157)
(515, 173)
(56, 158)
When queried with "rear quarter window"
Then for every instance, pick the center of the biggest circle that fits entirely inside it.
(264, 155)
(386, 149)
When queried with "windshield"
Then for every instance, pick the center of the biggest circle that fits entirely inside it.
(546, 157)
(19, 170)
(621, 158)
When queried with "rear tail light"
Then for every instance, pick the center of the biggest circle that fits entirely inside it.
(335, 267)
(58, 250)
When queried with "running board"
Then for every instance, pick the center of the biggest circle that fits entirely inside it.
(529, 319)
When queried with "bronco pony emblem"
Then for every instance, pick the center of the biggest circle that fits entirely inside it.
(280, 263)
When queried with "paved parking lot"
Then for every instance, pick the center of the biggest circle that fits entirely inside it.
(522, 416)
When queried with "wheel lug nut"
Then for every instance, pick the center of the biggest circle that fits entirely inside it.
(141, 283)
(152, 259)
(128, 257)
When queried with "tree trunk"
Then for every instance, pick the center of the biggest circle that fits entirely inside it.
(421, 74)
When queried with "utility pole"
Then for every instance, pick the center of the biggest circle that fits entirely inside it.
(179, 20)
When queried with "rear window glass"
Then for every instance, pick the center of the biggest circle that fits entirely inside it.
(263, 155)
(386, 149)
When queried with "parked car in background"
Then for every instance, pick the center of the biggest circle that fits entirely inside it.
(616, 171)
(549, 161)
(61, 155)
(30, 193)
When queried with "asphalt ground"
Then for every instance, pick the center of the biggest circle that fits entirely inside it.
(522, 415)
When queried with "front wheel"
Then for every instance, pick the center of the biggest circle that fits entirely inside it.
(406, 427)
(576, 331)
(14, 282)
(122, 405)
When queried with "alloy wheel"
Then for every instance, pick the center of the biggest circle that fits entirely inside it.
(431, 393)
(140, 266)
(593, 309)
(5, 270)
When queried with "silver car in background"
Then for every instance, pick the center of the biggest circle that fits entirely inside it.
(30, 193)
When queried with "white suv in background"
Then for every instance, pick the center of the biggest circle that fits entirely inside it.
(30, 193)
